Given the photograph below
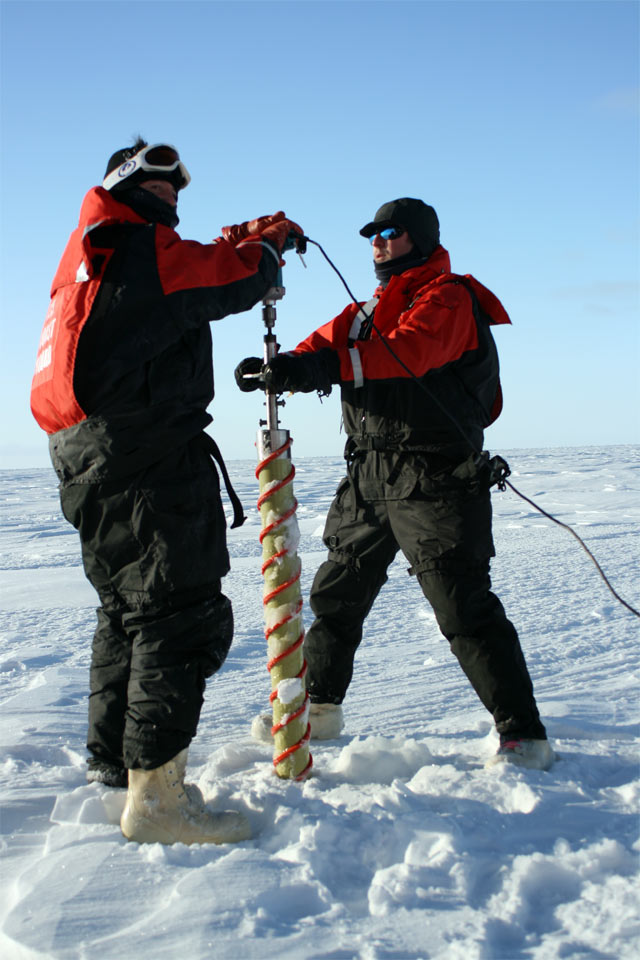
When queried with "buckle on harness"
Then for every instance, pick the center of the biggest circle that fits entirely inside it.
(498, 469)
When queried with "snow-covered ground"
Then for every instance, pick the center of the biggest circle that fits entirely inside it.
(402, 846)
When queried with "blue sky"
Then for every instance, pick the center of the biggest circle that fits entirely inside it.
(518, 121)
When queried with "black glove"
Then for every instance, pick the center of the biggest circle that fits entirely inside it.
(303, 372)
(250, 365)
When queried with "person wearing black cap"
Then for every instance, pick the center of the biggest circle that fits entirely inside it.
(122, 384)
(418, 371)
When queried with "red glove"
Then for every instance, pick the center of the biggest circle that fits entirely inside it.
(277, 233)
(275, 228)
(250, 228)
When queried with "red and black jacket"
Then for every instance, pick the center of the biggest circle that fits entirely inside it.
(437, 323)
(124, 367)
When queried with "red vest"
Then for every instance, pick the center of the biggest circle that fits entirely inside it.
(75, 285)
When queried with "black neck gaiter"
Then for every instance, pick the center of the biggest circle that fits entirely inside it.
(149, 206)
(390, 268)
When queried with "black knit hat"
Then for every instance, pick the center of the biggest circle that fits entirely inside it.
(418, 218)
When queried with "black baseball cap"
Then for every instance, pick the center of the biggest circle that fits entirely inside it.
(418, 219)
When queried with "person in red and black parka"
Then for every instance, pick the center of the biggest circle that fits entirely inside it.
(123, 380)
(418, 372)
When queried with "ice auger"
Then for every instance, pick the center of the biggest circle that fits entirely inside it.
(281, 569)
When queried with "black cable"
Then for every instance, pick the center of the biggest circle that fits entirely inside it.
(500, 478)
(582, 544)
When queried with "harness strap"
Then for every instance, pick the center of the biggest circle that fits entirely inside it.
(361, 324)
(356, 364)
(360, 330)
(214, 450)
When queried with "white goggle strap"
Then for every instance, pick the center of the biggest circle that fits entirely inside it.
(138, 162)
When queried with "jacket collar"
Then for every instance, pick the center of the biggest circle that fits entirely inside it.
(100, 206)
(407, 283)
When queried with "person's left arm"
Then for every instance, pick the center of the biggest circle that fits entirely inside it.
(207, 281)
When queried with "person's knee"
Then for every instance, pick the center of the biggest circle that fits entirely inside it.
(110, 646)
(219, 635)
(459, 593)
(344, 592)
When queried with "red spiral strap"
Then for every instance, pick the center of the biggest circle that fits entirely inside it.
(264, 497)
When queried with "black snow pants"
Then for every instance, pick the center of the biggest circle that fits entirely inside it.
(154, 548)
(443, 527)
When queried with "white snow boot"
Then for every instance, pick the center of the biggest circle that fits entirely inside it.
(161, 808)
(535, 754)
(325, 719)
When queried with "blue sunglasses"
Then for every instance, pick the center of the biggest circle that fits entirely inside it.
(391, 233)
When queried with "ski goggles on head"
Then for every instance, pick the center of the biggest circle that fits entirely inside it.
(389, 233)
(160, 158)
